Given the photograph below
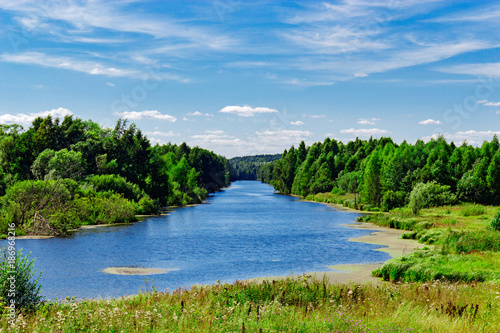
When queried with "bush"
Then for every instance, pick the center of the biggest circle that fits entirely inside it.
(104, 208)
(338, 191)
(116, 184)
(392, 200)
(30, 205)
(146, 206)
(472, 210)
(425, 195)
(495, 223)
(15, 267)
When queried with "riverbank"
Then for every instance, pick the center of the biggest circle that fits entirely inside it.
(390, 241)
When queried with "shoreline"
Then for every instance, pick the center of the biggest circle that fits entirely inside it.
(389, 239)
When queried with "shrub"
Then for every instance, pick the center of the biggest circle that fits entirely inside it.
(146, 206)
(472, 210)
(495, 223)
(31, 204)
(430, 194)
(338, 191)
(104, 209)
(15, 267)
(392, 199)
(116, 184)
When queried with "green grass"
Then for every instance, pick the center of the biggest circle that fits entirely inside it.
(293, 305)
(472, 210)
(423, 266)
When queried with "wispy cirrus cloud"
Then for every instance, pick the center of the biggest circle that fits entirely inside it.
(89, 67)
(480, 69)
(485, 102)
(115, 16)
(85, 66)
(146, 114)
(22, 118)
(246, 111)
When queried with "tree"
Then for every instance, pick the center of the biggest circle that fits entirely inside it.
(493, 176)
(371, 180)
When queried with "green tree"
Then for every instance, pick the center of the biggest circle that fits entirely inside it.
(371, 180)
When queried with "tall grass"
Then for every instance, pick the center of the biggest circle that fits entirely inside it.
(472, 210)
(425, 266)
(467, 242)
(292, 305)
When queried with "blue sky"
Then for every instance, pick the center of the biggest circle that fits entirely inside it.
(252, 77)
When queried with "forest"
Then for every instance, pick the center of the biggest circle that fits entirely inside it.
(383, 174)
(248, 167)
(58, 175)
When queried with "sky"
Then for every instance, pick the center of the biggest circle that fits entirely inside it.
(255, 77)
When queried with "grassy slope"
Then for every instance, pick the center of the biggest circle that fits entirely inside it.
(293, 305)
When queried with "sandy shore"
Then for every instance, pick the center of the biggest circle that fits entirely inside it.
(135, 271)
(33, 237)
(392, 244)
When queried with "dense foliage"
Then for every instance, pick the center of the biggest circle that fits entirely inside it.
(248, 167)
(58, 175)
(384, 174)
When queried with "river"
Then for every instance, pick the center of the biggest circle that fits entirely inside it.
(245, 231)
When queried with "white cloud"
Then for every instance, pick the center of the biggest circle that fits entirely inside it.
(199, 114)
(110, 84)
(486, 69)
(371, 121)
(364, 131)
(473, 137)
(84, 66)
(282, 136)
(297, 123)
(89, 67)
(85, 16)
(430, 122)
(216, 137)
(246, 111)
(488, 103)
(146, 114)
(22, 118)
(316, 116)
(217, 131)
(159, 133)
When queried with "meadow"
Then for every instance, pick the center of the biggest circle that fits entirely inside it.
(301, 304)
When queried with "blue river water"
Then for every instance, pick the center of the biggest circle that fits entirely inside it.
(245, 231)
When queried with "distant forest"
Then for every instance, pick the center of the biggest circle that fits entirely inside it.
(248, 167)
(58, 175)
(384, 173)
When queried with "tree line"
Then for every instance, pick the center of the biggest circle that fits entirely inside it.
(248, 167)
(383, 174)
(57, 175)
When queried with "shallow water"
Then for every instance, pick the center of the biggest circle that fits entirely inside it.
(243, 232)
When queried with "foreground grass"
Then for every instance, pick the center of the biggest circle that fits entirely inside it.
(293, 305)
